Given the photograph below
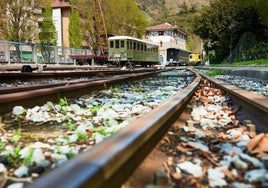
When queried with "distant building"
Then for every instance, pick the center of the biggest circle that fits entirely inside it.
(61, 11)
(166, 36)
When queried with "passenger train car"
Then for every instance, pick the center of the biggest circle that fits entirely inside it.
(124, 50)
(177, 57)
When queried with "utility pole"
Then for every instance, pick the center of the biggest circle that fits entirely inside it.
(100, 29)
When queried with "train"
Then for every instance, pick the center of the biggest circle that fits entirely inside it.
(177, 57)
(195, 59)
(125, 50)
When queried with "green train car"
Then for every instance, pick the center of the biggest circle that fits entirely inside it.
(124, 50)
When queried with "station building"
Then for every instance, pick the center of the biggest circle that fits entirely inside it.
(166, 36)
(61, 11)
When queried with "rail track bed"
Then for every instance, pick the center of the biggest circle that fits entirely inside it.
(41, 88)
(214, 143)
(77, 127)
(208, 146)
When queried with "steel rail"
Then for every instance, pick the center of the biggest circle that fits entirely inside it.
(9, 76)
(41, 86)
(35, 97)
(255, 105)
(111, 162)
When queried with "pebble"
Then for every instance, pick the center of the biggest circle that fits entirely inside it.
(259, 87)
(190, 168)
(21, 171)
(255, 176)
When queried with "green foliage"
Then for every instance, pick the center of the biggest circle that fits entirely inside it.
(14, 156)
(223, 23)
(75, 35)
(27, 161)
(48, 34)
(63, 101)
(123, 17)
(19, 23)
(214, 72)
(70, 125)
(17, 134)
(2, 145)
(82, 136)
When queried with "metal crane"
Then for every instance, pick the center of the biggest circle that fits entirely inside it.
(101, 35)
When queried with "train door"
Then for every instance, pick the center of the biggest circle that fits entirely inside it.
(130, 49)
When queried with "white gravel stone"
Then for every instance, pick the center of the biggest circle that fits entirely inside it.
(239, 163)
(254, 176)
(21, 171)
(16, 185)
(191, 168)
(18, 110)
(216, 178)
(254, 161)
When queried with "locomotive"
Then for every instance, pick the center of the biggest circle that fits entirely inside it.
(125, 50)
(195, 59)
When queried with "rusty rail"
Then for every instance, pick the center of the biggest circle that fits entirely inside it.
(255, 105)
(111, 162)
(37, 96)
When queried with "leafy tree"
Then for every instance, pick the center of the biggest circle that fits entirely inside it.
(223, 23)
(19, 21)
(123, 17)
(48, 34)
(75, 36)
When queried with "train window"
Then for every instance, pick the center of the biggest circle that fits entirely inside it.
(128, 44)
(138, 46)
(122, 45)
(191, 57)
(131, 45)
(142, 47)
(111, 44)
(145, 47)
(117, 44)
(134, 46)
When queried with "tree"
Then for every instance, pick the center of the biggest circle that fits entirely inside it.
(48, 34)
(123, 17)
(224, 22)
(75, 36)
(19, 22)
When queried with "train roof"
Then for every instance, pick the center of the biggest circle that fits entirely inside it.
(171, 48)
(130, 38)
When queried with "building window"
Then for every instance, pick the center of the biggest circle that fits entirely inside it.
(160, 33)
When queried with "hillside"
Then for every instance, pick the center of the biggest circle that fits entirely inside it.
(175, 12)
(160, 11)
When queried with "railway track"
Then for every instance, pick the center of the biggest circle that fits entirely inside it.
(10, 97)
(112, 161)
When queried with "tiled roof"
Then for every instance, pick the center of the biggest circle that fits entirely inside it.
(60, 4)
(162, 27)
